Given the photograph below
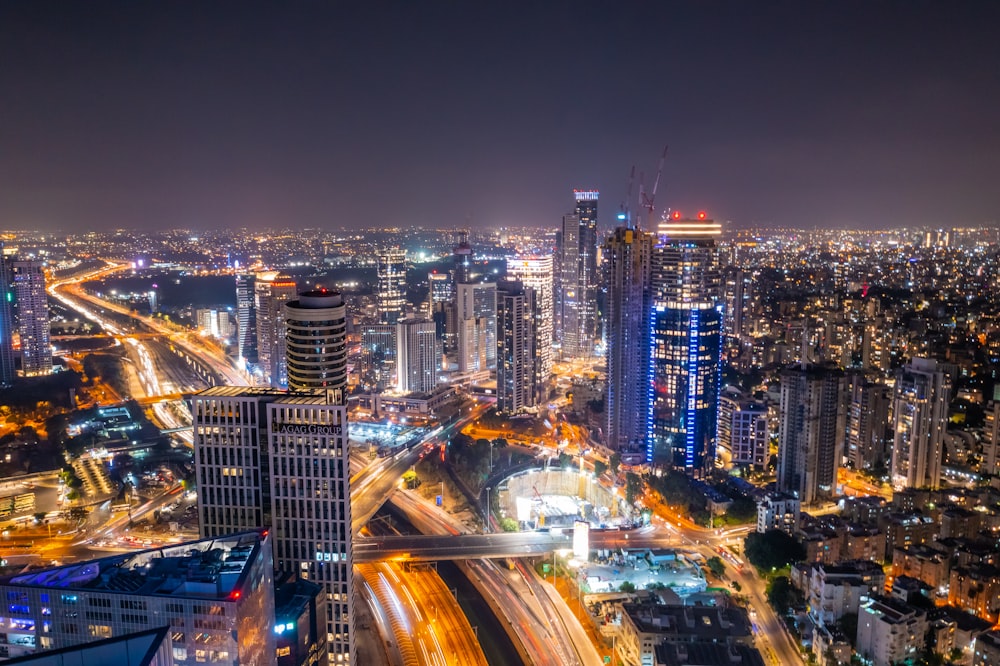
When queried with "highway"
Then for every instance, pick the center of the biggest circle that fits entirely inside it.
(546, 629)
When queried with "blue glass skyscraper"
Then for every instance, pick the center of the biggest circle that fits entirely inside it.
(686, 344)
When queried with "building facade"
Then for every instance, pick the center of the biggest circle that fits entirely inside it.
(277, 459)
(476, 321)
(216, 595)
(418, 359)
(378, 357)
(576, 298)
(246, 321)
(8, 325)
(868, 438)
(271, 292)
(920, 418)
(519, 373)
(33, 317)
(627, 255)
(390, 292)
(315, 332)
(811, 432)
(535, 271)
(686, 325)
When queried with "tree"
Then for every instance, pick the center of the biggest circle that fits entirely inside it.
(716, 566)
(600, 467)
(626, 587)
(772, 550)
(615, 461)
(633, 487)
(780, 594)
(508, 524)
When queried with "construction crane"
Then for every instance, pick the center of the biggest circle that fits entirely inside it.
(649, 201)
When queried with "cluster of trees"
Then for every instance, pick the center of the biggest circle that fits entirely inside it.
(773, 549)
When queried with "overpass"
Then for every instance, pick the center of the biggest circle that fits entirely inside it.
(429, 548)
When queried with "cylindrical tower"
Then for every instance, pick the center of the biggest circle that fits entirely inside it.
(316, 340)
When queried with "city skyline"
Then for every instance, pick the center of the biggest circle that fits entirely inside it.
(827, 115)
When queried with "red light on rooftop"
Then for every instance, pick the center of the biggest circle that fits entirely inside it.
(701, 215)
(677, 215)
(235, 595)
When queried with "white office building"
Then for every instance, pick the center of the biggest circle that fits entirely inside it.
(417, 356)
(535, 271)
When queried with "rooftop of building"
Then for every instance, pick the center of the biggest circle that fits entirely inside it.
(707, 654)
(890, 610)
(209, 568)
(292, 595)
(711, 623)
(302, 397)
(136, 649)
(963, 620)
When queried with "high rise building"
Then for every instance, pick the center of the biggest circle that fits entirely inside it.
(246, 321)
(33, 317)
(440, 309)
(7, 324)
(920, 417)
(743, 429)
(536, 272)
(316, 340)
(519, 383)
(216, 595)
(626, 412)
(462, 256)
(576, 299)
(811, 431)
(869, 440)
(476, 321)
(378, 357)
(390, 294)
(271, 292)
(271, 458)
(418, 360)
(686, 325)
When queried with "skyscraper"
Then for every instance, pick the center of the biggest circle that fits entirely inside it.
(519, 384)
(390, 294)
(476, 321)
(868, 439)
(576, 297)
(920, 418)
(626, 414)
(417, 359)
(686, 325)
(270, 458)
(7, 325)
(536, 272)
(246, 321)
(316, 340)
(271, 292)
(811, 432)
(378, 357)
(33, 317)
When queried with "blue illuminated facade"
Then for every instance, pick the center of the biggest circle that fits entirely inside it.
(685, 346)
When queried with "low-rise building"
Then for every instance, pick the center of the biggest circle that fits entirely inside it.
(778, 511)
(216, 595)
(976, 588)
(922, 562)
(889, 631)
(835, 590)
(645, 625)
(986, 651)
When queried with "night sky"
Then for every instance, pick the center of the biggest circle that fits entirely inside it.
(331, 114)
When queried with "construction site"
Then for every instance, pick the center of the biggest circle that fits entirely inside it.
(546, 499)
